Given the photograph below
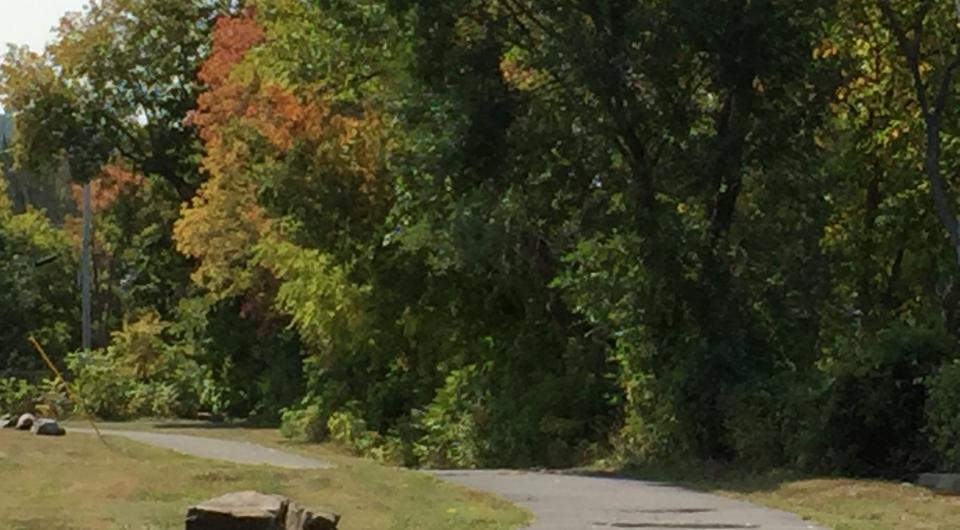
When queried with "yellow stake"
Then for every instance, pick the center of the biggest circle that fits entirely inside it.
(66, 385)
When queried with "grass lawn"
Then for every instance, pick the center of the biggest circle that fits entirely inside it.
(837, 503)
(76, 483)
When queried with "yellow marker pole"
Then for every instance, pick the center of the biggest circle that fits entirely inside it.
(70, 392)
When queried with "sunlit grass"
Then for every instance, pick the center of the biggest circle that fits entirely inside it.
(837, 503)
(75, 482)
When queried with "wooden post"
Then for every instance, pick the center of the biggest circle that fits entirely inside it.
(86, 270)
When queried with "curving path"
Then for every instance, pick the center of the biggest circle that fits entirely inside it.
(567, 502)
(559, 502)
(216, 449)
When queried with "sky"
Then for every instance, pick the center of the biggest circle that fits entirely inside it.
(30, 22)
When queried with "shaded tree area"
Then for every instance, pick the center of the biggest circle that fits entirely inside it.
(513, 232)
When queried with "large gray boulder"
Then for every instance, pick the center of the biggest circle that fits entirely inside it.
(25, 422)
(250, 510)
(47, 427)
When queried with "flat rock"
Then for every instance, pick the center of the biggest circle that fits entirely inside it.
(25, 422)
(47, 427)
(245, 510)
(250, 510)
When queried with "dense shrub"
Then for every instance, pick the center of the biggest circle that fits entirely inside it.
(453, 423)
(140, 374)
(49, 397)
(307, 421)
(943, 416)
(310, 421)
(17, 395)
(753, 422)
(874, 407)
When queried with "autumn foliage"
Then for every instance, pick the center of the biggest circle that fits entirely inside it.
(252, 127)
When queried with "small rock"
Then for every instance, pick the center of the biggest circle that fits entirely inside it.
(47, 427)
(250, 510)
(299, 518)
(25, 422)
(8, 422)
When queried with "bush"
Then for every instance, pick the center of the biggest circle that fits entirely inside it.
(874, 407)
(110, 391)
(311, 422)
(753, 416)
(48, 398)
(17, 396)
(943, 415)
(306, 422)
(140, 374)
(103, 389)
(452, 423)
(350, 430)
(54, 401)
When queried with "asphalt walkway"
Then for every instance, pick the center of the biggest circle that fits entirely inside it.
(570, 502)
(216, 449)
(559, 502)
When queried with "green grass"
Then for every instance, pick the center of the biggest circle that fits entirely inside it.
(837, 503)
(77, 483)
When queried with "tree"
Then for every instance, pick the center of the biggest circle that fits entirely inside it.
(118, 81)
(928, 41)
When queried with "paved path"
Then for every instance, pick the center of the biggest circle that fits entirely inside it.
(565, 502)
(559, 502)
(216, 449)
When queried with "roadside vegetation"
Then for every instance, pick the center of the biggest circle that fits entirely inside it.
(500, 233)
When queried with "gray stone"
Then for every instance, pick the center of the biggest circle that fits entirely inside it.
(942, 482)
(250, 510)
(300, 518)
(8, 422)
(47, 427)
(25, 422)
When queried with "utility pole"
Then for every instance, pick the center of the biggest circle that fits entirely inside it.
(85, 269)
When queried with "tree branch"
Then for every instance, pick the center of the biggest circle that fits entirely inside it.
(909, 48)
